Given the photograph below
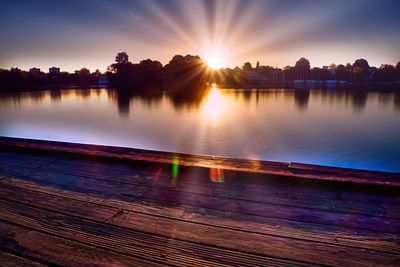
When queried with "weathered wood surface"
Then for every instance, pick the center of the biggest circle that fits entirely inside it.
(59, 250)
(211, 194)
(256, 166)
(11, 260)
(70, 210)
(241, 186)
(96, 208)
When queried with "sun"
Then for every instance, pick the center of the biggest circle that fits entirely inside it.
(214, 62)
(214, 57)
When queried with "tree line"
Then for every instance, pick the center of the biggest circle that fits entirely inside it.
(192, 72)
(20, 79)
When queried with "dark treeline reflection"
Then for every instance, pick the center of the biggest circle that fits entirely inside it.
(302, 98)
(123, 99)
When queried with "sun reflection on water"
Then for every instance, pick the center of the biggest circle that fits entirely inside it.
(214, 106)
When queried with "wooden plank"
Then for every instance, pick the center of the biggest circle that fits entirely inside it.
(290, 249)
(339, 170)
(339, 199)
(60, 251)
(10, 260)
(345, 174)
(100, 210)
(235, 183)
(255, 166)
(168, 250)
(260, 192)
(112, 190)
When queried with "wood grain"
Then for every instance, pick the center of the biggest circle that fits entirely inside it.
(168, 250)
(255, 166)
(134, 193)
(10, 260)
(60, 251)
(240, 187)
(99, 209)
(87, 205)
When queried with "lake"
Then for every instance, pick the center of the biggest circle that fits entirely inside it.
(347, 128)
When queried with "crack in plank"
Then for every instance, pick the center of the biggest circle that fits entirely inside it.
(120, 212)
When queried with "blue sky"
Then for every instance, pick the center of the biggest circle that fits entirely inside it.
(75, 34)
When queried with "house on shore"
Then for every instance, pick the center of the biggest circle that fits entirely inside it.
(34, 70)
(54, 70)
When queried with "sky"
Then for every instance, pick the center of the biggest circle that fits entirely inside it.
(74, 34)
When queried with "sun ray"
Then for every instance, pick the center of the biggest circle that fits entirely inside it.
(167, 20)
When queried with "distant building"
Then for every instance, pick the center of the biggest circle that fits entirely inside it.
(252, 75)
(15, 69)
(54, 70)
(331, 82)
(34, 70)
(311, 81)
(299, 81)
(325, 67)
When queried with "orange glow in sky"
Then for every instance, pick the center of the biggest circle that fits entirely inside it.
(225, 33)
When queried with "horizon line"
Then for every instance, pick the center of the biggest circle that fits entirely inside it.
(276, 66)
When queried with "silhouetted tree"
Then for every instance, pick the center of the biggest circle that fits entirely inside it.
(121, 70)
(302, 65)
(386, 73)
(147, 72)
(398, 71)
(332, 66)
(122, 58)
(96, 75)
(184, 67)
(186, 76)
(341, 73)
(358, 74)
(320, 74)
(247, 66)
(84, 72)
(360, 69)
(302, 69)
(361, 63)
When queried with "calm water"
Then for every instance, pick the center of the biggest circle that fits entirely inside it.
(329, 127)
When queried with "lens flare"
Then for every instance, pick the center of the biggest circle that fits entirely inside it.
(175, 169)
(216, 175)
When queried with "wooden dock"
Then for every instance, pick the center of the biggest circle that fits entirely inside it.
(69, 204)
